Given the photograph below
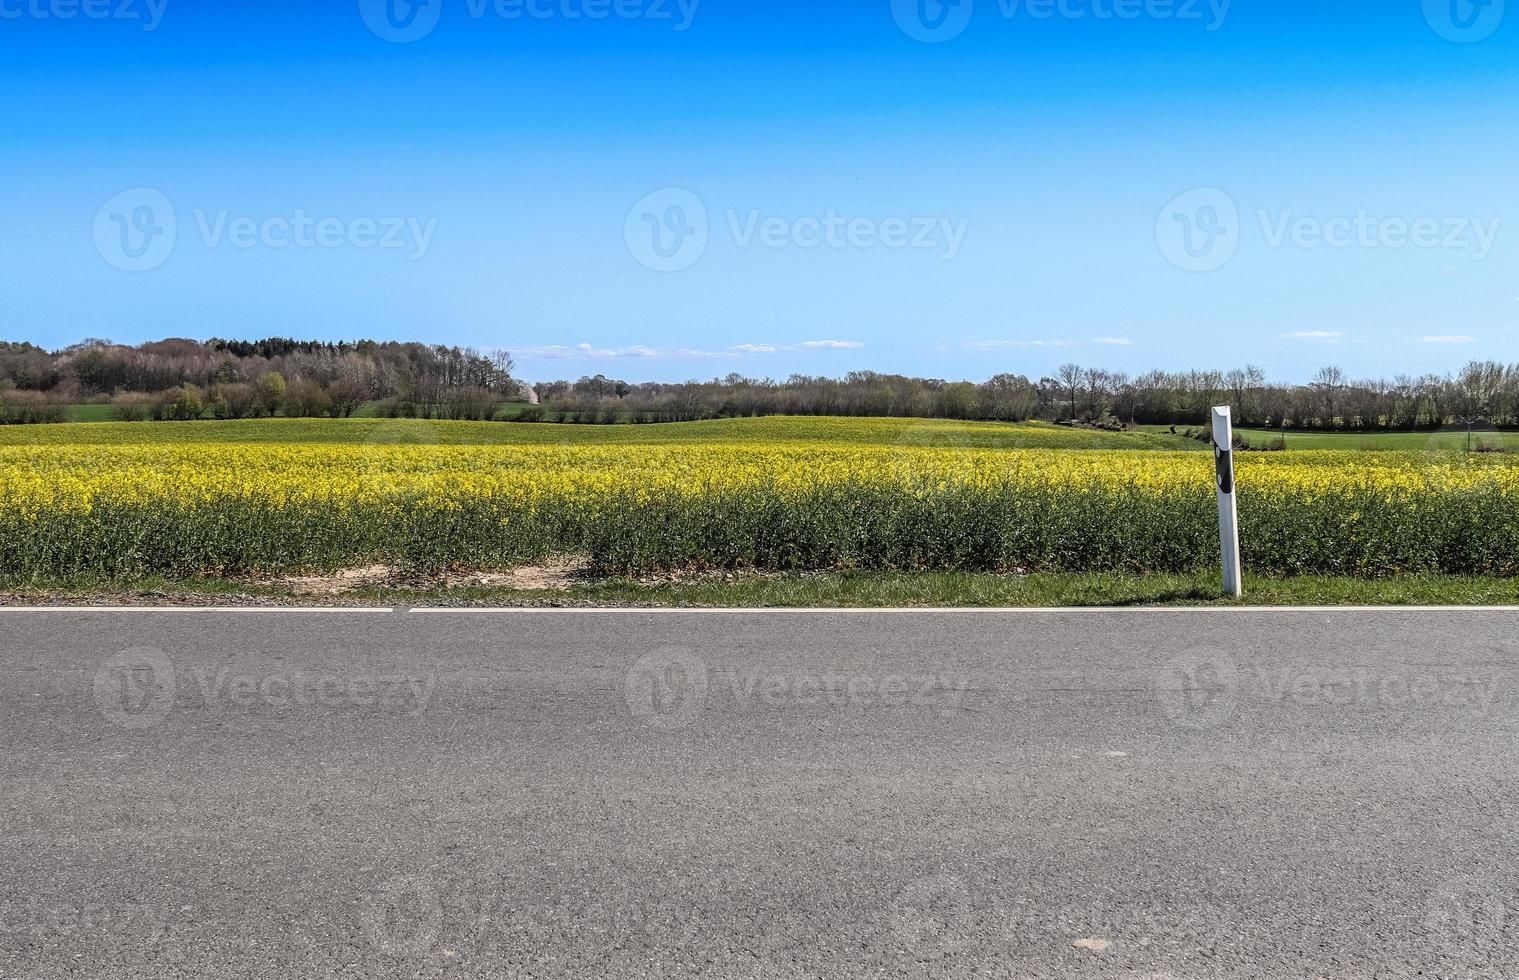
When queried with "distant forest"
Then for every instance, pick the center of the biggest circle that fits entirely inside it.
(190, 379)
(1484, 391)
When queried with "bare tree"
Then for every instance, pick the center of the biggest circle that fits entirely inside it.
(1328, 381)
(1071, 377)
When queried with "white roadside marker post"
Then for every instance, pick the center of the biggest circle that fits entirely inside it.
(1228, 505)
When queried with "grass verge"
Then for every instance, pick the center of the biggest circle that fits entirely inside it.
(824, 590)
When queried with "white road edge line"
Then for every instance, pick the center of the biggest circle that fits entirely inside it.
(957, 610)
(341, 610)
(751, 610)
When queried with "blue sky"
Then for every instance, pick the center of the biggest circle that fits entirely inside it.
(683, 189)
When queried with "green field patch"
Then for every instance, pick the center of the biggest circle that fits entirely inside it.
(823, 430)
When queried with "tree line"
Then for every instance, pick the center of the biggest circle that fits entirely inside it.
(178, 378)
(1330, 401)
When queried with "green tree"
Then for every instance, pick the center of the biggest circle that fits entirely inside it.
(271, 391)
(189, 403)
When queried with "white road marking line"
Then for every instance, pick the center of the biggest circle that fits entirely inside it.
(756, 610)
(943, 610)
(305, 610)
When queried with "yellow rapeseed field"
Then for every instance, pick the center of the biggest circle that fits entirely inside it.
(109, 499)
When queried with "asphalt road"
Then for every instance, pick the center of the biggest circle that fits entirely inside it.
(582, 794)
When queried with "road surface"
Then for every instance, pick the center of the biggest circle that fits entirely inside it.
(759, 794)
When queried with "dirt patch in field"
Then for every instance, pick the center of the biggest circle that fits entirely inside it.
(554, 577)
(347, 580)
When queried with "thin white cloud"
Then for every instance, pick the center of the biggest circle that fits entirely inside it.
(590, 352)
(1449, 339)
(1011, 344)
(558, 352)
(1328, 336)
(830, 345)
(1114, 341)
